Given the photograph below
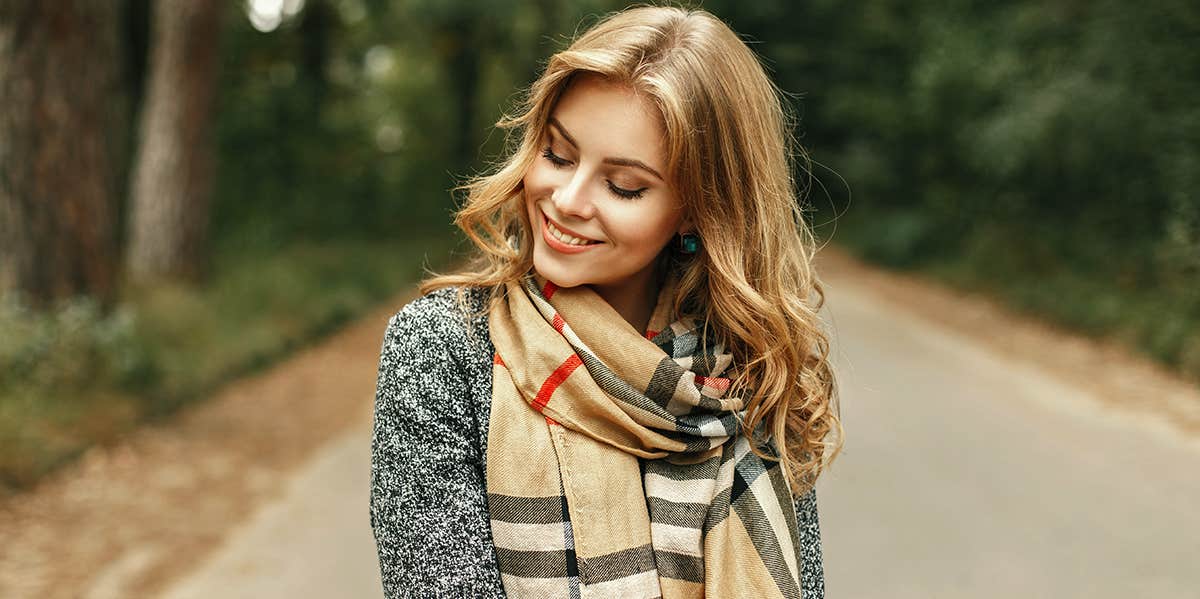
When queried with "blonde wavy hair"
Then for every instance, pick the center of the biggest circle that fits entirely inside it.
(730, 159)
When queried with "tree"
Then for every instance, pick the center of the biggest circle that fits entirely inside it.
(62, 124)
(173, 173)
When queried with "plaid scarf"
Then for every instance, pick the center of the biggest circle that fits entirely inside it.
(629, 477)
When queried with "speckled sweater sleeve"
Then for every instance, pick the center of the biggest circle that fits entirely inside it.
(428, 508)
(813, 570)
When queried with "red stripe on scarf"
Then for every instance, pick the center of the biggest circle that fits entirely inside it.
(720, 383)
(652, 334)
(497, 360)
(557, 322)
(549, 289)
(556, 378)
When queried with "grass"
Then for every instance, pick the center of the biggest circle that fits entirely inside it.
(74, 377)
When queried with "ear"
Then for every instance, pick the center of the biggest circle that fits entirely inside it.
(685, 226)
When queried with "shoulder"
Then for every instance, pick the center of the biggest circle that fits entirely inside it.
(445, 309)
(446, 318)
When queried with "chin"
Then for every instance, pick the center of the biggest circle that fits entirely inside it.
(559, 274)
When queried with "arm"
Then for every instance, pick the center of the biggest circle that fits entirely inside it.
(813, 572)
(428, 506)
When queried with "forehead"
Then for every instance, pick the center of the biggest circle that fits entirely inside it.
(612, 119)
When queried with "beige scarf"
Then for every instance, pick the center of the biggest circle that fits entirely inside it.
(615, 465)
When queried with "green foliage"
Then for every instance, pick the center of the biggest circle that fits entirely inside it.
(74, 376)
(67, 376)
(262, 306)
(1047, 151)
(357, 118)
(70, 347)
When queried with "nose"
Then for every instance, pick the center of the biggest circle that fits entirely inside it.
(572, 198)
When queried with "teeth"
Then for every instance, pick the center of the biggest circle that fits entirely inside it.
(563, 237)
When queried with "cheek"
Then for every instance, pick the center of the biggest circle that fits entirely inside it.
(538, 179)
(535, 188)
(647, 231)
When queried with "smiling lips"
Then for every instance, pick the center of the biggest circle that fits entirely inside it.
(563, 241)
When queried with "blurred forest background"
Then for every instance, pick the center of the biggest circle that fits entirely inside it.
(189, 190)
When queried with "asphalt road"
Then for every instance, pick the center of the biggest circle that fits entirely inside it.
(968, 474)
(965, 474)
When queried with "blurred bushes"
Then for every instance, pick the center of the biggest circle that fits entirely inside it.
(1045, 152)
(68, 378)
(297, 152)
(357, 117)
(71, 348)
(75, 376)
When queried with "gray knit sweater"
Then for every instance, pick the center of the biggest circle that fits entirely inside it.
(428, 495)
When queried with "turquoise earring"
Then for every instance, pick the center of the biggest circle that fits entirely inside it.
(689, 243)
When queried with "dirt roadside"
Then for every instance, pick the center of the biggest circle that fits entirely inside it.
(128, 519)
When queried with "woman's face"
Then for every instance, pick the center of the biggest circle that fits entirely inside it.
(597, 196)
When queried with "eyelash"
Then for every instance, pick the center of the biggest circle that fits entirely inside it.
(559, 162)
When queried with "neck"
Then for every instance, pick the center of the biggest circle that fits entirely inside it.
(634, 299)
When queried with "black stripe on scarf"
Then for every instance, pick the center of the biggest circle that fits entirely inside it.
(536, 564)
(684, 472)
(687, 515)
(618, 564)
(680, 566)
(525, 510)
(757, 525)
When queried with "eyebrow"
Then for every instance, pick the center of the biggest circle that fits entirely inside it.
(614, 161)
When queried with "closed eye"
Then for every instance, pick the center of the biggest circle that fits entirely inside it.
(560, 162)
(629, 194)
(554, 159)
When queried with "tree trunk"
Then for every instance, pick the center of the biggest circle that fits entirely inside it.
(62, 116)
(173, 174)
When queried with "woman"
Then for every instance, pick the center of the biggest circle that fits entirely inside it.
(627, 394)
